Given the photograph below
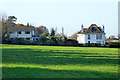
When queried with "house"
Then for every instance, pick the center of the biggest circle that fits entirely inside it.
(92, 34)
(28, 33)
(21, 32)
(40, 30)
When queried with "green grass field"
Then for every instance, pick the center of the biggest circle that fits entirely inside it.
(27, 61)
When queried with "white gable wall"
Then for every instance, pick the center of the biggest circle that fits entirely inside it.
(81, 38)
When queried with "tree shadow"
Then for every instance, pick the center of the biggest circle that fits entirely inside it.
(54, 57)
(50, 57)
(23, 72)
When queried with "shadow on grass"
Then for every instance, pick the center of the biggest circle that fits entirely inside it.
(50, 57)
(54, 57)
(22, 72)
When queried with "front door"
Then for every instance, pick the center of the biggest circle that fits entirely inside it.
(88, 42)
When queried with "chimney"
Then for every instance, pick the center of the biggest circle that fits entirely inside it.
(27, 24)
(103, 28)
(82, 29)
(62, 31)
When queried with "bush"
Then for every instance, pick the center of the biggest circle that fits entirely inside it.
(19, 41)
(93, 44)
(50, 42)
(6, 41)
(114, 45)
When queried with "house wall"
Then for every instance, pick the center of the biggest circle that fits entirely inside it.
(83, 38)
(22, 35)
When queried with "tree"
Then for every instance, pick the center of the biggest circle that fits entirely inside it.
(52, 32)
(59, 36)
(7, 22)
(11, 20)
(44, 34)
(43, 39)
(0, 32)
(4, 26)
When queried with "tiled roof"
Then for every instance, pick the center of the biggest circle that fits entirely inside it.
(92, 29)
(20, 28)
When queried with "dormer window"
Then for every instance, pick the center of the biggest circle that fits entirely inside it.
(93, 29)
(27, 32)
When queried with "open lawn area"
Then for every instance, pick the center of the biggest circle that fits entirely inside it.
(27, 61)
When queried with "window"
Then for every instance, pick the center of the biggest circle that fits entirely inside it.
(99, 42)
(98, 36)
(103, 42)
(27, 32)
(27, 38)
(33, 39)
(19, 32)
(21, 38)
(11, 38)
(11, 32)
(88, 36)
(93, 29)
(37, 39)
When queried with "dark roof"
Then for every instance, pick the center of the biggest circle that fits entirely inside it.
(20, 28)
(92, 29)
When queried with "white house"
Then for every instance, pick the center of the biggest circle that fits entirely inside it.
(92, 34)
(21, 32)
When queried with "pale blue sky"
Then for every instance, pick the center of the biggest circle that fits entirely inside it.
(67, 14)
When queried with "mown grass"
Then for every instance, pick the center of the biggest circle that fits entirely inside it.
(27, 61)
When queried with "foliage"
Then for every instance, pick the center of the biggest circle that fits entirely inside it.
(59, 36)
(43, 39)
(44, 34)
(52, 32)
(5, 24)
(19, 41)
(114, 44)
(49, 42)
(23, 61)
(11, 20)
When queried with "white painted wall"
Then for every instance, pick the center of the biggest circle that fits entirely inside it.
(83, 38)
(22, 35)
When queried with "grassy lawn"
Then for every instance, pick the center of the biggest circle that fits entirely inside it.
(27, 61)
